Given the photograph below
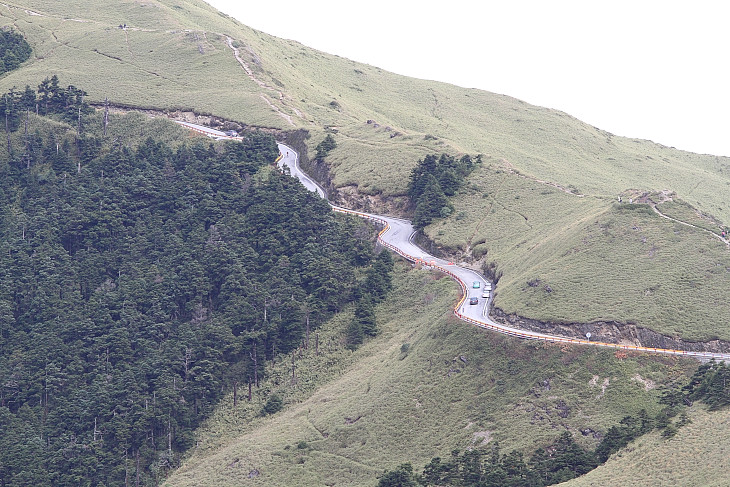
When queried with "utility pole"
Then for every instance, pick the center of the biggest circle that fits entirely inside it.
(254, 359)
(106, 114)
(78, 143)
(25, 136)
(306, 345)
(7, 124)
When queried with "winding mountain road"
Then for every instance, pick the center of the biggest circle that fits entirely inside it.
(397, 235)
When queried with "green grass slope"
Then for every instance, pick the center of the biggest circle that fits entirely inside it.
(696, 457)
(542, 208)
(170, 56)
(183, 55)
(174, 54)
(590, 258)
(350, 416)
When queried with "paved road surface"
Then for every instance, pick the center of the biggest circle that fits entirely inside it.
(202, 129)
(397, 235)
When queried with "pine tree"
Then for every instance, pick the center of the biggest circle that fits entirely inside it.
(401, 476)
(354, 334)
(365, 315)
(431, 204)
(325, 147)
(419, 176)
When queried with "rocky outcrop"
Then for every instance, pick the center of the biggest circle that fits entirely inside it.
(610, 332)
(320, 172)
(350, 197)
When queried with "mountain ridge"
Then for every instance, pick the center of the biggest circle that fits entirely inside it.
(542, 212)
(179, 55)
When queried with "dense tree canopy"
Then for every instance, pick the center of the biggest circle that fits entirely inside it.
(374, 289)
(559, 462)
(138, 283)
(325, 147)
(51, 99)
(433, 181)
(14, 49)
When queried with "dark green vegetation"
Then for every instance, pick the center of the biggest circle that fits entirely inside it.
(561, 461)
(14, 50)
(376, 286)
(541, 207)
(491, 468)
(695, 457)
(433, 181)
(711, 384)
(424, 386)
(324, 147)
(564, 460)
(67, 104)
(140, 282)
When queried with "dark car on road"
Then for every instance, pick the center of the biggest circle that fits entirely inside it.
(473, 300)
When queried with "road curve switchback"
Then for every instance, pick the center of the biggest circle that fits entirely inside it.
(397, 235)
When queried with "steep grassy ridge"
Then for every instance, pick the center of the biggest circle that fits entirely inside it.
(682, 211)
(697, 456)
(350, 416)
(165, 58)
(174, 55)
(590, 258)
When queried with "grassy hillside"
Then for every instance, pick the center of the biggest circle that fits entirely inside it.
(174, 53)
(551, 182)
(542, 208)
(696, 457)
(590, 258)
(426, 385)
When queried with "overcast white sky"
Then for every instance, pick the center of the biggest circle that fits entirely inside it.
(650, 69)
